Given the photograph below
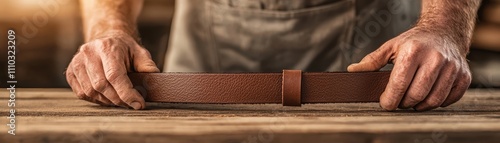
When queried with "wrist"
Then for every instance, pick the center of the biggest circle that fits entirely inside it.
(453, 21)
(105, 17)
(447, 31)
(111, 28)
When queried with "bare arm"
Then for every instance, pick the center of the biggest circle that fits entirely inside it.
(430, 69)
(98, 72)
(102, 16)
(454, 17)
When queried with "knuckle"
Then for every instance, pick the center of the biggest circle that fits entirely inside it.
(89, 91)
(78, 66)
(113, 98)
(467, 77)
(464, 79)
(111, 49)
(101, 42)
(468, 81)
(81, 95)
(453, 67)
(437, 58)
(433, 103)
(399, 88)
(106, 42)
(100, 84)
(415, 46)
(416, 43)
(398, 91)
(76, 59)
(126, 98)
(112, 74)
(142, 51)
(68, 74)
(374, 61)
(415, 98)
(117, 102)
(85, 48)
(129, 98)
(412, 54)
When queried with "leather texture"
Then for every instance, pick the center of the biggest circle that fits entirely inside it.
(291, 87)
(259, 88)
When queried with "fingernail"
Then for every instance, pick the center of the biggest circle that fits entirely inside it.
(136, 105)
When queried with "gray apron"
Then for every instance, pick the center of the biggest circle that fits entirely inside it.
(271, 35)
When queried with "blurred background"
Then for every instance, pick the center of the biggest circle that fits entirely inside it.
(52, 34)
(43, 54)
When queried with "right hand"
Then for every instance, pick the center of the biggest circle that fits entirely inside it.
(98, 72)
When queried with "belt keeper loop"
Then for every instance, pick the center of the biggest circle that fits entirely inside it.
(291, 87)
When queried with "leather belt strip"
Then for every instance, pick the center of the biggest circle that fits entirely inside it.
(290, 88)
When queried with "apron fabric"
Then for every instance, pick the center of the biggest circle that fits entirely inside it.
(272, 35)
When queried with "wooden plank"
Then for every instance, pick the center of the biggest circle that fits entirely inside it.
(56, 115)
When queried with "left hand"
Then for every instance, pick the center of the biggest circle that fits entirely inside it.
(429, 70)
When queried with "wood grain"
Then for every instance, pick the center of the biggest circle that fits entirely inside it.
(56, 115)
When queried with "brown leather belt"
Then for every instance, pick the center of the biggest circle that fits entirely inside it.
(290, 88)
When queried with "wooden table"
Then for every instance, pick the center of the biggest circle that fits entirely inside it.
(57, 116)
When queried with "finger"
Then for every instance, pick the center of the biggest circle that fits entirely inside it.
(405, 66)
(440, 90)
(461, 85)
(70, 77)
(143, 62)
(373, 61)
(75, 86)
(99, 98)
(116, 73)
(98, 79)
(84, 81)
(422, 83)
(78, 69)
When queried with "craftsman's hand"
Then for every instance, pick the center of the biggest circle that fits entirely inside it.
(429, 70)
(98, 72)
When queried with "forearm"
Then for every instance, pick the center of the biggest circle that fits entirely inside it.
(454, 19)
(104, 17)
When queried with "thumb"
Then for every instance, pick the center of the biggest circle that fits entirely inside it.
(144, 63)
(373, 61)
